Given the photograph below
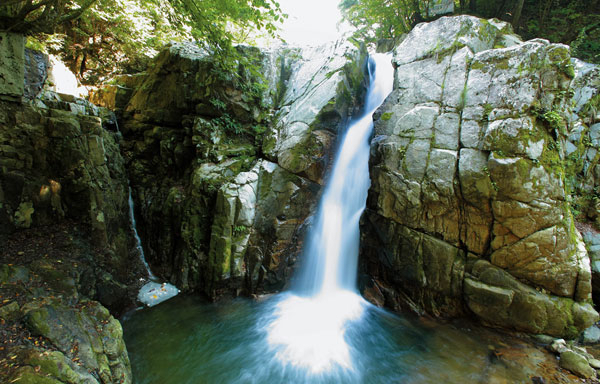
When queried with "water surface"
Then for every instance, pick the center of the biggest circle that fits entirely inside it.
(186, 340)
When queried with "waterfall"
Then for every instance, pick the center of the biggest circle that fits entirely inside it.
(153, 292)
(308, 329)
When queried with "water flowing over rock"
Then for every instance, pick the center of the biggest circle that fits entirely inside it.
(468, 208)
(224, 176)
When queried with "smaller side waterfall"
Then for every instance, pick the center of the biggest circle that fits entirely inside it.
(153, 292)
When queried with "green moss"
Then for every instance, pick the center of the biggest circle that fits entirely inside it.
(477, 65)
(569, 70)
(555, 120)
(591, 108)
(27, 375)
(463, 100)
(502, 64)
(487, 109)
(440, 54)
(386, 116)
(38, 321)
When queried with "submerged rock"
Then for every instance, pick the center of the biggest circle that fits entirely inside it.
(468, 180)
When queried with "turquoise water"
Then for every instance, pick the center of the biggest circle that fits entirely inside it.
(186, 340)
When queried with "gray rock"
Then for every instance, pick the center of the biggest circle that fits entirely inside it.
(591, 335)
(12, 71)
(594, 363)
(559, 346)
(317, 96)
(10, 311)
(92, 335)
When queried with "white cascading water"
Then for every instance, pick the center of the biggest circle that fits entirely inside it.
(308, 330)
(153, 292)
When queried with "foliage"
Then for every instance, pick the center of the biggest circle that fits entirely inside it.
(572, 22)
(229, 124)
(40, 16)
(98, 38)
(591, 109)
(387, 19)
(114, 36)
(554, 120)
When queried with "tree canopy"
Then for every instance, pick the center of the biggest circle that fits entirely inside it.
(100, 37)
(572, 22)
(383, 19)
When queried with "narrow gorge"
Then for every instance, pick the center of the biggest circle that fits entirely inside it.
(476, 258)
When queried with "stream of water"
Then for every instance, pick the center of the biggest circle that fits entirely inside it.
(154, 291)
(322, 331)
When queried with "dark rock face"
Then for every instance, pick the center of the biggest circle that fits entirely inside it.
(56, 165)
(468, 209)
(12, 71)
(225, 169)
(64, 230)
(36, 72)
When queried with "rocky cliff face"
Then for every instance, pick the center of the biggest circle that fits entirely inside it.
(581, 151)
(468, 207)
(225, 169)
(64, 232)
(59, 162)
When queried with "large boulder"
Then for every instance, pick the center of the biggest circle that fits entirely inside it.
(318, 91)
(225, 169)
(468, 164)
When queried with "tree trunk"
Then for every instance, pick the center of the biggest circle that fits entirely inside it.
(517, 14)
